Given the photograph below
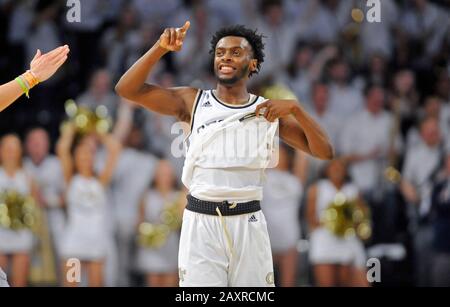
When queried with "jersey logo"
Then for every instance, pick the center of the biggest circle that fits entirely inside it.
(206, 104)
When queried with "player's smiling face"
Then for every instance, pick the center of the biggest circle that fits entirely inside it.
(233, 59)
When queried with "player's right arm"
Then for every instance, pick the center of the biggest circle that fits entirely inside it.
(176, 101)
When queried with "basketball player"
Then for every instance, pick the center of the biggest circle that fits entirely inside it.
(224, 239)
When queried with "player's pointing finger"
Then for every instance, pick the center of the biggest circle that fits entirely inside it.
(186, 26)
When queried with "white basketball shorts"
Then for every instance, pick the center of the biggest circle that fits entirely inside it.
(3, 281)
(228, 251)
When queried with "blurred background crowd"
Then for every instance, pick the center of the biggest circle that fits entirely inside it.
(381, 90)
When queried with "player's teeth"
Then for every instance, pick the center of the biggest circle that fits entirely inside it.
(226, 69)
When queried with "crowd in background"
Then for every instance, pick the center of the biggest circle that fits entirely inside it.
(381, 90)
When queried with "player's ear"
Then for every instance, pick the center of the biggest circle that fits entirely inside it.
(253, 65)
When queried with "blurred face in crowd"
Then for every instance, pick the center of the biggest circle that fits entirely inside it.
(336, 171)
(147, 34)
(201, 16)
(233, 60)
(432, 107)
(274, 14)
(101, 82)
(375, 100)
(331, 4)
(10, 151)
(128, 17)
(303, 57)
(443, 85)
(135, 138)
(164, 176)
(377, 64)
(429, 130)
(84, 156)
(404, 82)
(320, 97)
(340, 72)
(37, 145)
(420, 4)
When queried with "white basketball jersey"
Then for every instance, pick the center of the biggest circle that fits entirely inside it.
(223, 159)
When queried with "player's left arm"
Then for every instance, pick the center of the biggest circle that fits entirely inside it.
(297, 128)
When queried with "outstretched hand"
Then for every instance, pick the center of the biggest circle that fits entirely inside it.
(172, 38)
(43, 66)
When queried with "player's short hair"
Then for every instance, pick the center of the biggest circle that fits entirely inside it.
(252, 36)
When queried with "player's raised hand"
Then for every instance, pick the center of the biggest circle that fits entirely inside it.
(43, 66)
(172, 38)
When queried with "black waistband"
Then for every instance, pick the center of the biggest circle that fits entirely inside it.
(226, 208)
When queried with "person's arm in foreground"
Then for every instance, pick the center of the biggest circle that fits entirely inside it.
(42, 67)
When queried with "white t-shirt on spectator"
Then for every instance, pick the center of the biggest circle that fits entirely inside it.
(345, 101)
(420, 162)
(376, 37)
(363, 134)
(433, 22)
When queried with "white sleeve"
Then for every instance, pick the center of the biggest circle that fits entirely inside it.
(409, 166)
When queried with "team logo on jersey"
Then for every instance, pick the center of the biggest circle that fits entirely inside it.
(253, 218)
(270, 278)
(181, 274)
(206, 104)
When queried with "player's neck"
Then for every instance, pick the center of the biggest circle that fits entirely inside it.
(235, 94)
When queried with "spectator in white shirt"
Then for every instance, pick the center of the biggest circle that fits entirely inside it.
(306, 67)
(116, 40)
(273, 24)
(421, 160)
(309, 168)
(419, 172)
(345, 99)
(100, 93)
(405, 99)
(382, 31)
(427, 24)
(134, 172)
(46, 172)
(433, 107)
(366, 141)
